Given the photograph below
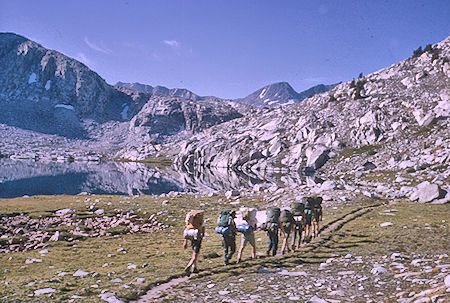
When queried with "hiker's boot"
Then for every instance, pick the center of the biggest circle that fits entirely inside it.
(187, 270)
(195, 270)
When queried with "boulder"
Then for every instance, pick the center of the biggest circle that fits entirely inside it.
(426, 192)
(316, 156)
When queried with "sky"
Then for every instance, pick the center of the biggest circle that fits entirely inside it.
(230, 48)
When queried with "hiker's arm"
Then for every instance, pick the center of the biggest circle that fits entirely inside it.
(185, 244)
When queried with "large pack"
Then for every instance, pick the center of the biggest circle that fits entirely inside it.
(224, 218)
(192, 234)
(286, 216)
(297, 208)
(245, 228)
(247, 215)
(194, 219)
(309, 202)
(317, 202)
(273, 214)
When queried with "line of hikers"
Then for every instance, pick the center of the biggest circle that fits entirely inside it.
(302, 219)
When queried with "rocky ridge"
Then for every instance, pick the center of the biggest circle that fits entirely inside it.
(397, 118)
(47, 95)
(160, 90)
(280, 94)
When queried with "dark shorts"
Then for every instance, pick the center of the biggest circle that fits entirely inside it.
(308, 217)
(287, 227)
(196, 245)
(317, 214)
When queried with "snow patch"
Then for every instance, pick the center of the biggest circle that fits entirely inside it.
(289, 102)
(124, 113)
(48, 84)
(69, 107)
(261, 95)
(267, 100)
(32, 79)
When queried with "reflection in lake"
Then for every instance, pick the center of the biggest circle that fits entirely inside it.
(19, 178)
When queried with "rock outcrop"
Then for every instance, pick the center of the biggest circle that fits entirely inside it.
(45, 93)
(397, 116)
(280, 94)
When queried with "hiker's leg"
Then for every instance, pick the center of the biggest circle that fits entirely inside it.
(271, 242)
(300, 233)
(225, 249)
(232, 245)
(253, 244)
(275, 241)
(294, 237)
(241, 249)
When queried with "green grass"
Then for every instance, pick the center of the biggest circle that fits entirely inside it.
(159, 256)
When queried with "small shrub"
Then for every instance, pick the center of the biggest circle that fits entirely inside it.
(332, 98)
(372, 152)
(435, 56)
(424, 166)
(445, 60)
(359, 87)
(417, 52)
(427, 48)
(410, 170)
(353, 84)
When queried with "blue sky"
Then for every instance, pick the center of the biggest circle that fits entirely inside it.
(230, 48)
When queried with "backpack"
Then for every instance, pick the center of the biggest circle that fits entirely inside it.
(194, 219)
(273, 214)
(223, 230)
(244, 228)
(297, 208)
(248, 215)
(224, 218)
(286, 216)
(192, 234)
(318, 202)
(309, 202)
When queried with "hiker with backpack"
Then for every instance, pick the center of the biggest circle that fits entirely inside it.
(194, 231)
(272, 225)
(309, 206)
(317, 215)
(247, 228)
(227, 228)
(297, 210)
(287, 224)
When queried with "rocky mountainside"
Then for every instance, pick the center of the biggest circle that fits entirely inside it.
(272, 95)
(279, 94)
(45, 93)
(161, 90)
(393, 120)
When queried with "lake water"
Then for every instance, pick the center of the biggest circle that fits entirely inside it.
(19, 178)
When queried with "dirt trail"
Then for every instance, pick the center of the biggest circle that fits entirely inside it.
(326, 233)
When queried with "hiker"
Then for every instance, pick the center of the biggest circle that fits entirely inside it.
(297, 210)
(287, 224)
(317, 215)
(272, 226)
(247, 228)
(308, 201)
(227, 228)
(195, 229)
